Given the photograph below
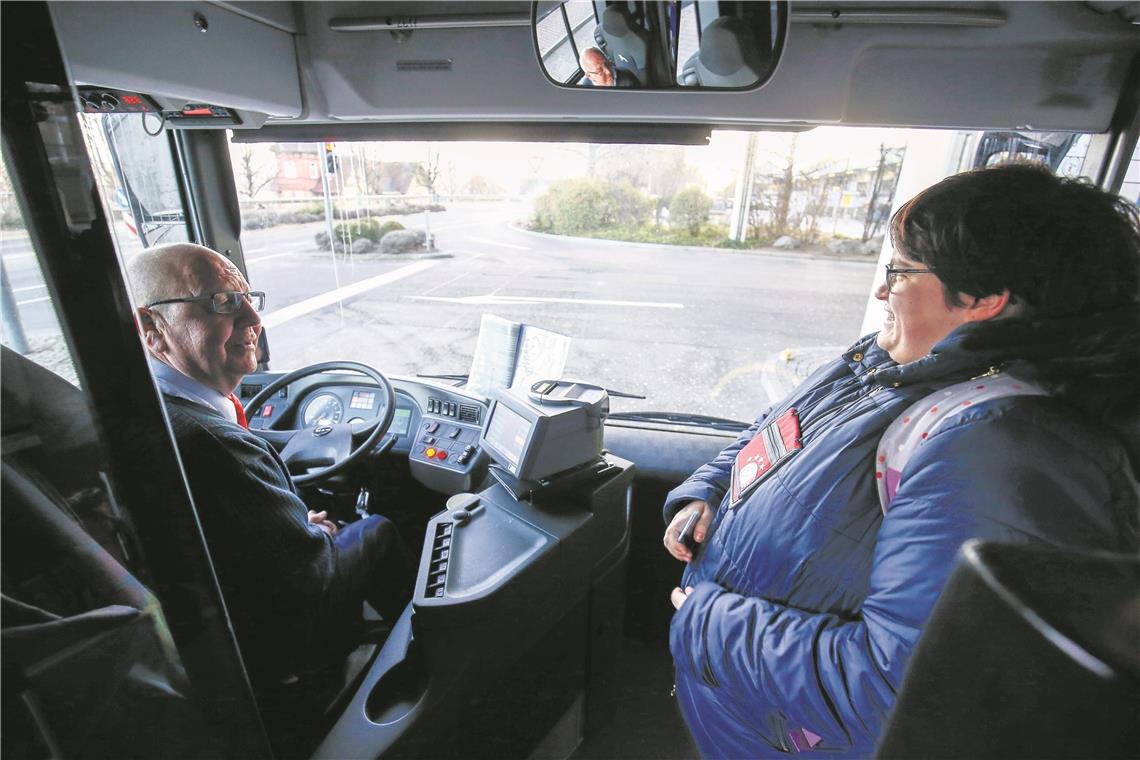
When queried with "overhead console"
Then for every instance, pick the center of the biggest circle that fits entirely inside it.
(993, 65)
(518, 604)
(239, 56)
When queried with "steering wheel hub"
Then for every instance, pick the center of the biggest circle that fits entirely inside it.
(320, 452)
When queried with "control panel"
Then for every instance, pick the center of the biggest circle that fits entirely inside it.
(446, 443)
(445, 454)
(467, 413)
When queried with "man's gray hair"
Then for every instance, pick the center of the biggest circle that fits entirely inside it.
(154, 274)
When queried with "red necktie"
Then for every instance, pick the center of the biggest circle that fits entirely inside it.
(241, 420)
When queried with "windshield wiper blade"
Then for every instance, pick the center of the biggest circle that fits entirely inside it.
(675, 418)
(455, 378)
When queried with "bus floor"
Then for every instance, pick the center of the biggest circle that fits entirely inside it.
(644, 721)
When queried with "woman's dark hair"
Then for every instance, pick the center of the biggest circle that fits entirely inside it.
(1060, 246)
(1068, 252)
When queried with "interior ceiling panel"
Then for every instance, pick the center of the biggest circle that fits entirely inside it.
(1041, 65)
(1010, 75)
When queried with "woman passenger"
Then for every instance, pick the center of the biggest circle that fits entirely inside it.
(1010, 353)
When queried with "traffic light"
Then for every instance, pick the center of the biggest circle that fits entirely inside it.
(330, 157)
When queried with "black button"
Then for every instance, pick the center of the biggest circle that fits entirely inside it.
(453, 433)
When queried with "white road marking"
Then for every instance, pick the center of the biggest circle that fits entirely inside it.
(459, 276)
(271, 256)
(309, 305)
(501, 245)
(491, 300)
(33, 300)
(30, 287)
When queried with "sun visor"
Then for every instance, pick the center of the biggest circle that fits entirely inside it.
(224, 62)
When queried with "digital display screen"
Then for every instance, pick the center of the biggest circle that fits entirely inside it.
(507, 433)
(400, 420)
(363, 400)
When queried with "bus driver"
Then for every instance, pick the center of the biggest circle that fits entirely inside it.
(292, 580)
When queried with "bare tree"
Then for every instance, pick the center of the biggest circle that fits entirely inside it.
(253, 175)
(668, 173)
(785, 186)
(427, 173)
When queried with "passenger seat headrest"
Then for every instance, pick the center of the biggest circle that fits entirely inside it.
(616, 21)
(729, 54)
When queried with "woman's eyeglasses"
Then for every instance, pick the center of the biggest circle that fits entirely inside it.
(893, 272)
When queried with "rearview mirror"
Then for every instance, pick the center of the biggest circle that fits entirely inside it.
(648, 45)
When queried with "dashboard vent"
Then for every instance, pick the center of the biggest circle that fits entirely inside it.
(437, 568)
(469, 413)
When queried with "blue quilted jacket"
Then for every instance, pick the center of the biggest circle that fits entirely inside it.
(808, 601)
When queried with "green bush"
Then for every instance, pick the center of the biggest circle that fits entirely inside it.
(387, 227)
(708, 235)
(582, 206)
(689, 209)
(366, 227)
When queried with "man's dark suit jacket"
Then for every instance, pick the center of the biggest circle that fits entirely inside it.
(276, 570)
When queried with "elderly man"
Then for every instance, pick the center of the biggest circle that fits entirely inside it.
(986, 407)
(601, 73)
(597, 69)
(293, 581)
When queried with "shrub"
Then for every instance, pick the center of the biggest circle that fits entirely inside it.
(403, 241)
(366, 227)
(690, 209)
(387, 227)
(579, 206)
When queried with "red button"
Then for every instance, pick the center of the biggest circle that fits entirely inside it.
(441, 454)
(267, 410)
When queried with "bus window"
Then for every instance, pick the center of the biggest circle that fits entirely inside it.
(78, 618)
(31, 327)
(134, 166)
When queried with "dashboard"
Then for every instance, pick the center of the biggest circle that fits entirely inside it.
(436, 426)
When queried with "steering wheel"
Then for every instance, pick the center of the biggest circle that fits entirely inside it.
(334, 447)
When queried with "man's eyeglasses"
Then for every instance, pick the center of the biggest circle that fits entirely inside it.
(893, 272)
(226, 302)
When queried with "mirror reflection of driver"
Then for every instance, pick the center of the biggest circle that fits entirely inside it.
(601, 72)
(293, 580)
(597, 68)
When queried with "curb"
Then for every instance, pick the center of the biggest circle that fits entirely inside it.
(769, 251)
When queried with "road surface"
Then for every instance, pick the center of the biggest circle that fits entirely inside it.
(692, 329)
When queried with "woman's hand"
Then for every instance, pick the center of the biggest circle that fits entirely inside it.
(673, 542)
(679, 596)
